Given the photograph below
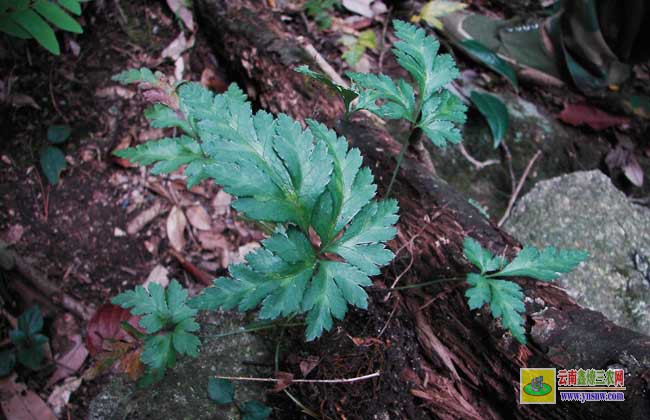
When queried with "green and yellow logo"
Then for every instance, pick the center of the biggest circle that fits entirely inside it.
(537, 386)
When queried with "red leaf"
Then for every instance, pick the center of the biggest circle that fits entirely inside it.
(579, 114)
(104, 327)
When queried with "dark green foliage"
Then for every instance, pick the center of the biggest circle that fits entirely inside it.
(28, 19)
(505, 298)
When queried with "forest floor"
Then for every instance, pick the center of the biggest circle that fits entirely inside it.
(107, 226)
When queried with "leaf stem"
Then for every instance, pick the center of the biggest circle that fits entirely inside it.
(400, 158)
(258, 328)
(413, 286)
(304, 381)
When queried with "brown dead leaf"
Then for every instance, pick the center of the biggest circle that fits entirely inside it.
(308, 364)
(284, 380)
(70, 362)
(124, 143)
(114, 92)
(143, 218)
(180, 9)
(198, 217)
(20, 403)
(159, 275)
(60, 395)
(365, 341)
(176, 223)
(178, 46)
(633, 171)
(212, 81)
(212, 241)
(221, 203)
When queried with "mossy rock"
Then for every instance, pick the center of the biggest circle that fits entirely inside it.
(183, 392)
(584, 210)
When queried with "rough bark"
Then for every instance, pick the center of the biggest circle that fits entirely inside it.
(470, 367)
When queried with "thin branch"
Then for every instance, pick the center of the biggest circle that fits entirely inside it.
(520, 185)
(304, 381)
(321, 62)
(478, 165)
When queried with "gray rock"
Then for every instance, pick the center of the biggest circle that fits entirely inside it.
(584, 210)
(183, 393)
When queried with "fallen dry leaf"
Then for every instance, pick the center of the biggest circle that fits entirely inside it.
(60, 395)
(308, 364)
(198, 217)
(176, 223)
(212, 241)
(178, 46)
(221, 202)
(360, 7)
(284, 380)
(125, 143)
(597, 119)
(143, 218)
(20, 403)
(180, 9)
(114, 92)
(238, 257)
(159, 275)
(70, 362)
(633, 171)
(212, 81)
(105, 327)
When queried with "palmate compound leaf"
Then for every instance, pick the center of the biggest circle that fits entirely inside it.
(303, 178)
(436, 111)
(505, 298)
(167, 319)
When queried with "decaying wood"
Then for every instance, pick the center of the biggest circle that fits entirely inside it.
(469, 367)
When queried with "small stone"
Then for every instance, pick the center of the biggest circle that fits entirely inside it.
(117, 232)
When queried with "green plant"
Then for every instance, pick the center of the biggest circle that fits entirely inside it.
(168, 322)
(495, 112)
(328, 233)
(28, 342)
(27, 19)
(435, 110)
(222, 392)
(505, 298)
(52, 158)
(319, 11)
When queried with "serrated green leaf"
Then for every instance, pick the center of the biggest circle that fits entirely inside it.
(323, 301)
(362, 242)
(255, 410)
(52, 163)
(349, 190)
(508, 304)
(52, 12)
(135, 76)
(161, 116)
(495, 112)
(347, 95)
(440, 114)
(399, 99)
(31, 22)
(168, 154)
(158, 352)
(72, 5)
(545, 265)
(58, 134)
(184, 342)
(479, 294)
(418, 54)
(491, 60)
(221, 391)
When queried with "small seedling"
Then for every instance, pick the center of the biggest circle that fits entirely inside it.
(28, 341)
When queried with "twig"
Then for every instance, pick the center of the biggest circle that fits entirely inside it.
(304, 381)
(382, 51)
(478, 165)
(54, 104)
(515, 194)
(321, 62)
